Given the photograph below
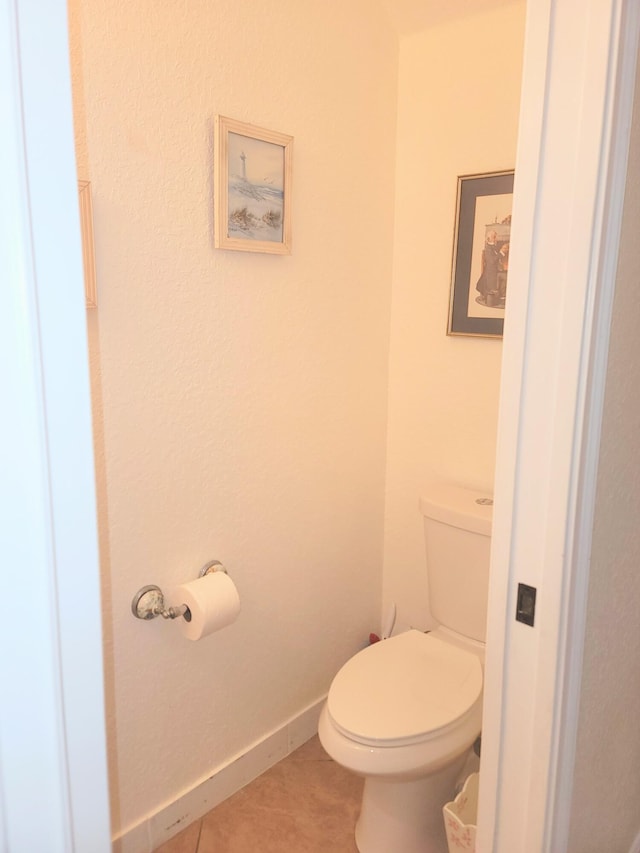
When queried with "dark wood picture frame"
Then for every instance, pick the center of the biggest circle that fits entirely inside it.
(481, 254)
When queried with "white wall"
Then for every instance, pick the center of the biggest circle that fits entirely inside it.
(604, 813)
(459, 88)
(239, 399)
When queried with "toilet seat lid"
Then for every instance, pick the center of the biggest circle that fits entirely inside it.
(403, 689)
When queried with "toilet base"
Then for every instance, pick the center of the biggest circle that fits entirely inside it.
(406, 815)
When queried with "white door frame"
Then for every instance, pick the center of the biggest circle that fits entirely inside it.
(578, 85)
(53, 772)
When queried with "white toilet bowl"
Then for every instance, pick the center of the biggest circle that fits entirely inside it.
(404, 713)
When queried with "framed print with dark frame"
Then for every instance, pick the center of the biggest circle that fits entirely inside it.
(252, 188)
(481, 254)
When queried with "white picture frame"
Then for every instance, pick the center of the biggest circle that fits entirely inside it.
(252, 188)
(88, 252)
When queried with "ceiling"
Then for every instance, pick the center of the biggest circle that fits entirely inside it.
(411, 16)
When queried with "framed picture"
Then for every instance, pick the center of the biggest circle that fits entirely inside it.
(252, 188)
(481, 254)
(88, 255)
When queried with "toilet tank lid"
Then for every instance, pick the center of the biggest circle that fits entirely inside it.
(468, 509)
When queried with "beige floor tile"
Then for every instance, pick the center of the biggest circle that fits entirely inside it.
(312, 750)
(305, 804)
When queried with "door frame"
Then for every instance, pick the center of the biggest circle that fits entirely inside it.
(551, 405)
(53, 772)
(577, 99)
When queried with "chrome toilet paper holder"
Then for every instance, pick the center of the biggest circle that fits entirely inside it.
(148, 602)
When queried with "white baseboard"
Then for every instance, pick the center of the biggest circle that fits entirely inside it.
(635, 847)
(169, 820)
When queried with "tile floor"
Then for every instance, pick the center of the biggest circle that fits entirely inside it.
(305, 804)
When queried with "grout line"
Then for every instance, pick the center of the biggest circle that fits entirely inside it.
(199, 834)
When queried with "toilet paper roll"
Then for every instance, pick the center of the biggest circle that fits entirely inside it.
(213, 602)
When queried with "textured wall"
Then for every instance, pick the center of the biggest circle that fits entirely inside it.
(459, 93)
(604, 813)
(240, 399)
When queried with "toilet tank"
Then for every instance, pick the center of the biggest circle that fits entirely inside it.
(457, 528)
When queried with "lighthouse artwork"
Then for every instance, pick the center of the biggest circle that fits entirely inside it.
(256, 189)
(252, 192)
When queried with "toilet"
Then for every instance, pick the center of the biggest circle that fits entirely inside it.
(405, 712)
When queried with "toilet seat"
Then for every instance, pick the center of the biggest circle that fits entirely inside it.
(404, 690)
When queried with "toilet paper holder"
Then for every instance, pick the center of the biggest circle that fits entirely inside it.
(148, 602)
